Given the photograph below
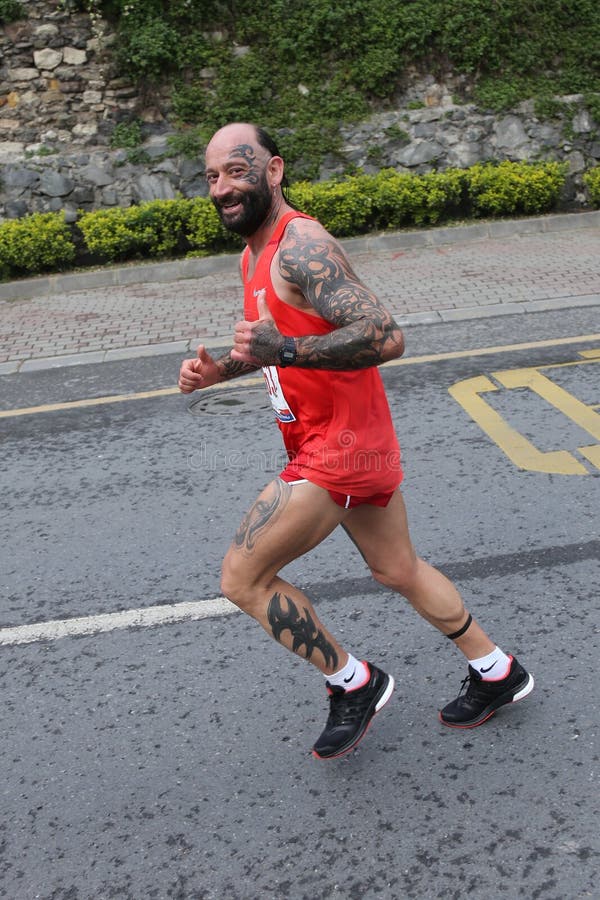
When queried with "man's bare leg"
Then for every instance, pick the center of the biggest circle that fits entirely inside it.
(383, 538)
(284, 523)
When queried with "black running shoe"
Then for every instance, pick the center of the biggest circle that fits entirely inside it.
(351, 713)
(482, 698)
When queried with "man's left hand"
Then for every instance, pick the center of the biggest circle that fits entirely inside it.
(259, 342)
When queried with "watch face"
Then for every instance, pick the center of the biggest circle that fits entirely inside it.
(287, 354)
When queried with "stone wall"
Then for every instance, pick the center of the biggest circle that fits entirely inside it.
(443, 134)
(60, 101)
(56, 89)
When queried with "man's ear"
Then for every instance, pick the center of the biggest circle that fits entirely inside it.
(275, 169)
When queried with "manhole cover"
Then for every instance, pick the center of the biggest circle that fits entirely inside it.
(229, 402)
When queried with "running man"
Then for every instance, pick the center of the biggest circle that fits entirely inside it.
(319, 334)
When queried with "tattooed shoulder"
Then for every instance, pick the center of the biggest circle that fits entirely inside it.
(312, 259)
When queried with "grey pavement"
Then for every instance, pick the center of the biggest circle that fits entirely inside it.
(425, 276)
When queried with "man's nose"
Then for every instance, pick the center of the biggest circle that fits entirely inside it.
(220, 187)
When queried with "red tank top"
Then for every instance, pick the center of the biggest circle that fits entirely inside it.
(336, 425)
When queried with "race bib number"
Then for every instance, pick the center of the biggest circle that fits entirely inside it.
(276, 395)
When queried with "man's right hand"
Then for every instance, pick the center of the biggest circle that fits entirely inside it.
(199, 373)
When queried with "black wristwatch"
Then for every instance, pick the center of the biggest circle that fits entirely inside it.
(288, 353)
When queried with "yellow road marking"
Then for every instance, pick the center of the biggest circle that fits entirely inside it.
(522, 452)
(592, 453)
(499, 348)
(100, 401)
(564, 401)
(410, 361)
(92, 401)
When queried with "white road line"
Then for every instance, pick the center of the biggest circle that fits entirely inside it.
(129, 618)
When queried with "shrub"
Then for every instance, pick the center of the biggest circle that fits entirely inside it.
(549, 107)
(149, 48)
(34, 244)
(592, 104)
(387, 200)
(400, 199)
(189, 103)
(151, 229)
(592, 182)
(187, 143)
(343, 208)
(10, 11)
(127, 135)
(514, 188)
(442, 196)
(396, 197)
(154, 229)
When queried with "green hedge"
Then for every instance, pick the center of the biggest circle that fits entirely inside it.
(515, 188)
(34, 244)
(592, 182)
(403, 200)
(388, 200)
(154, 229)
(344, 208)
(150, 229)
(393, 199)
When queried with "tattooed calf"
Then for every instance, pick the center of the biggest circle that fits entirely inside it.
(304, 631)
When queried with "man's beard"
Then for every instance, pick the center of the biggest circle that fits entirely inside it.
(255, 209)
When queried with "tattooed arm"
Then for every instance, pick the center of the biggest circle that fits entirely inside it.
(314, 270)
(204, 371)
(366, 333)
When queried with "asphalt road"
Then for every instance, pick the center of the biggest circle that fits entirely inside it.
(174, 760)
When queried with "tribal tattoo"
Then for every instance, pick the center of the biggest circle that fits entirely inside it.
(231, 368)
(320, 269)
(266, 343)
(303, 630)
(247, 153)
(272, 501)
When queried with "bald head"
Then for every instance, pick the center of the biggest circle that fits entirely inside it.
(234, 135)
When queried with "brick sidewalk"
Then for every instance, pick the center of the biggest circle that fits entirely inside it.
(433, 276)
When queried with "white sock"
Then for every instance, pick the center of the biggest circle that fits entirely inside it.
(492, 667)
(353, 675)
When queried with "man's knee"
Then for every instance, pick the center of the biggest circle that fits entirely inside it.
(232, 582)
(240, 585)
(400, 577)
